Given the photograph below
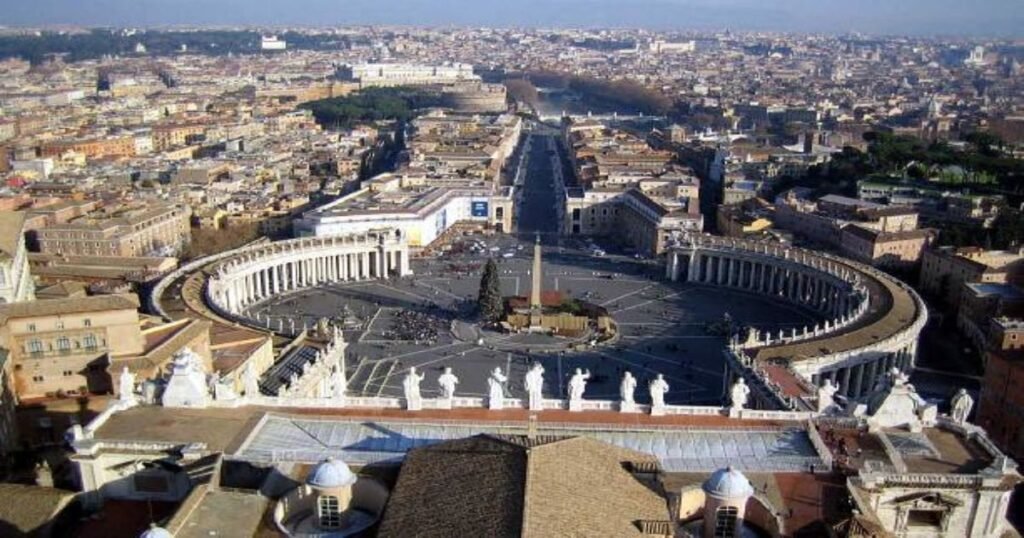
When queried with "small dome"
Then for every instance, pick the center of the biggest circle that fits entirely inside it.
(331, 473)
(728, 483)
(156, 532)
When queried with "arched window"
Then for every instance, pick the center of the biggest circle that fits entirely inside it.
(329, 512)
(89, 341)
(63, 344)
(725, 522)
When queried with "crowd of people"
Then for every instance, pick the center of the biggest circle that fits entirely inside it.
(411, 325)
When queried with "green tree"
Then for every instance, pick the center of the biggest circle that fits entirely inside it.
(489, 299)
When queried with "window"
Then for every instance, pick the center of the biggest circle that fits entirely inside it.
(63, 344)
(37, 379)
(60, 325)
(725, 522)
(68, 373)
(89, 341)
(931, 519)
(329, 514)
(87, 322)
(31, 327)
(35, 347)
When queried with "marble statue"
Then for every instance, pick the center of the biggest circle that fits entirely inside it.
(897, 377)
(447, 382)
(960, 406)
(339, 384)
(658, 387)
(251, 381)
(496, 389)
(739, 394)
(626, 389)
(533, 382)
(126, 387)
(826, 395)
(578, 384)
(411, 385)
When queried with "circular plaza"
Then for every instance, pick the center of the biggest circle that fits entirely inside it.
(429, 320)
(705, 313)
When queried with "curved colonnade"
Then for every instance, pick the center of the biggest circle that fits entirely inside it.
(872, 320)
(259, 272)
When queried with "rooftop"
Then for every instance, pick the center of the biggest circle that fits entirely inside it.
(498, 486)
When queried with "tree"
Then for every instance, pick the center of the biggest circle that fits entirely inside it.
(489, 299)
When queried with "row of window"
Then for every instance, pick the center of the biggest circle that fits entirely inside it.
(40, 379)
(63, 344)
(60, 325)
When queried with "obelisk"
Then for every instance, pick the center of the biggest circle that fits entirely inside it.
(535, 305)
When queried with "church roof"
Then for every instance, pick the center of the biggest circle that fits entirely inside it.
(509, 486)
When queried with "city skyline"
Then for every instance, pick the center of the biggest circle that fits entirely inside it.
(994, 18)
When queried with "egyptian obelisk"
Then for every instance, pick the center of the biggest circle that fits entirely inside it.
(535, 305)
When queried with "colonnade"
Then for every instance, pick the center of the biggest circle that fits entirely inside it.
(858, 379)
(284, 266)
(814, 289)
(817, 284)
(855, 379)
(839, 289)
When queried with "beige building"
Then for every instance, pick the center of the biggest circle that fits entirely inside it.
(945, 270)
(894, 250)
(15, 279)
(65, 344)
(648, 226)
(161, 229)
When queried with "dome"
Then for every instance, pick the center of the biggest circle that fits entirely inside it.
(331, 473)
(728, 483)
(156, 532)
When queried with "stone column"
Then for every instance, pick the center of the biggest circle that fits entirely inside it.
(406, 269)
(844, 385)
(858, 379)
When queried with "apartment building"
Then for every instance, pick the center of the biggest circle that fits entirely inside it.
(112, 146)
(140, 230)
(892, 250)
(944, 270)
(64, 344)
(1001, 403)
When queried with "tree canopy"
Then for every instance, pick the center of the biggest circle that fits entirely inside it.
(489, 300)
(371, 104)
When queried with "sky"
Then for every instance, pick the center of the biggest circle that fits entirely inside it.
(1003, 18)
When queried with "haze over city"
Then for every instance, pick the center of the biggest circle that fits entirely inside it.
(916, 17)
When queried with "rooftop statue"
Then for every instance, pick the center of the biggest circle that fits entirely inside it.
(411, 384)
(496, 389)
(533, 382)
(658, 388)
(447, 382)
(960, 406)
(739, 394)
